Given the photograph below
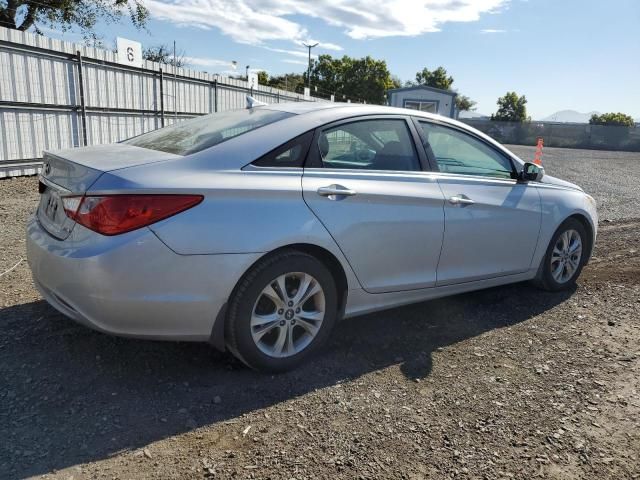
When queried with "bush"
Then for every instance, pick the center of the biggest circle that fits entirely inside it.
(610, 119)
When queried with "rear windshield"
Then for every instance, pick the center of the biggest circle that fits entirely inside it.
(196, 134)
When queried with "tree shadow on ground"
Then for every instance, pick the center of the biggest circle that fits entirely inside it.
(71, 395)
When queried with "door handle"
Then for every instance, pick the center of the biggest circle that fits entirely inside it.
(336, 190)
(460, 200)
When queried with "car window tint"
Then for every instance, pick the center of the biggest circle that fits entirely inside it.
(197, 134)
(458, 152)
(370, 145)
(291, 154)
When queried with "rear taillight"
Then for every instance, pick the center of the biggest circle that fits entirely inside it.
(115, 214)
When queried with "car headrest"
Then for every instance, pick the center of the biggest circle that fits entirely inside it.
(393, 157)
(392, 148)
(323, 145)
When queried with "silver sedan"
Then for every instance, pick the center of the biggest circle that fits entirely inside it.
(257, 230)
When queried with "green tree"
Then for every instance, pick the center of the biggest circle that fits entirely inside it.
(464, 103)
(263, 77)
(617, 119)
(292, 82)
(66, 14)
(358, 79)
(511, 108)
(164, 54)
(395, 80)
(437, 78)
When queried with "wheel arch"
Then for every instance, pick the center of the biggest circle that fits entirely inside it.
(328, 259)
(589, 228)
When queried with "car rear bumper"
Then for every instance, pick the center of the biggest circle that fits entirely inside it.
(132, 284)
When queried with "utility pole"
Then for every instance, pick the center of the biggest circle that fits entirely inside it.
(309, 46)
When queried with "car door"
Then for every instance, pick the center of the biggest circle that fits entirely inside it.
(492, 221)
(364, 179)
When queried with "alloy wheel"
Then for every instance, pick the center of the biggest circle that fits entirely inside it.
(288, 314)
(566, 256)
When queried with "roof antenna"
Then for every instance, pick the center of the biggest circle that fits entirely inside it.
(252, 102)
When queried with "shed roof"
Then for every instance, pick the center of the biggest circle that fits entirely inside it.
(423, 87)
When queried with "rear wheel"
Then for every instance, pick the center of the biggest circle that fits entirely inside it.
(565, 257)
(282, 311)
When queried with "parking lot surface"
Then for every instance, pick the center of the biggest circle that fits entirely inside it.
(508, 382)
(610, 177)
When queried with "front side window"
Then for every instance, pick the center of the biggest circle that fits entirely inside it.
(370, 145)
(197, 134)
(458, 152)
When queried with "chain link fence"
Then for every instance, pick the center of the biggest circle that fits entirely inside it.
(564, 135)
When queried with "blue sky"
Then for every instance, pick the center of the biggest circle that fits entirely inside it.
(582, 55)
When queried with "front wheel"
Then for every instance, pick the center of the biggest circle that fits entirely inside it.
(565, 257)
(282, 311)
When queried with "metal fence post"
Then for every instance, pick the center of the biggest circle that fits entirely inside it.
(161, 98)
(83, 109)
(215, 95)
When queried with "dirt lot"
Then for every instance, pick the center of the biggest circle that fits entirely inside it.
(505, 383)
(611, 177)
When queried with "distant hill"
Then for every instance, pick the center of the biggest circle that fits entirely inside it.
(569, 116)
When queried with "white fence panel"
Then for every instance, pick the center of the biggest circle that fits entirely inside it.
(26, 133)
(41, 107)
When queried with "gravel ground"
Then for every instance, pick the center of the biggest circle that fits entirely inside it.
(610, 177)
(508, 382)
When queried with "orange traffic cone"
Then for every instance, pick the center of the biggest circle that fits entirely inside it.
(538, 157)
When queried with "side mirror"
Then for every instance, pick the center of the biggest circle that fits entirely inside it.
(531, 173)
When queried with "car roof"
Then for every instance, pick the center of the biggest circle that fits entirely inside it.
(339, 109)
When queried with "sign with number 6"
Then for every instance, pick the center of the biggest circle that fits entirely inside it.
(129, 52)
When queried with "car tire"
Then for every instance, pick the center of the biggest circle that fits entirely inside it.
(560, 269)
(270, 332)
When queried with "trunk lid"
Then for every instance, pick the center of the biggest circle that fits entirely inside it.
(73, 171)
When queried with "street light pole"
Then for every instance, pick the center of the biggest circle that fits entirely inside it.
(246, 71)
(309, 46)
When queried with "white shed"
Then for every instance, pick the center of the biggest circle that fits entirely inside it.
(423, 98)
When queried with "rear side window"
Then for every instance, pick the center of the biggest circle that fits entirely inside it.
(197, 134)
(291, 154)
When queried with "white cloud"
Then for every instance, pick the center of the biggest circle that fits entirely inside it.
(294, 62)
(257, 21)
(330, 46)
(492, 30)
(324, 45)
(207, 62)
(294, 53)
(242, 20)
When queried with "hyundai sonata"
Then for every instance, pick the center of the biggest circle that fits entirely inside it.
(257, 229)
